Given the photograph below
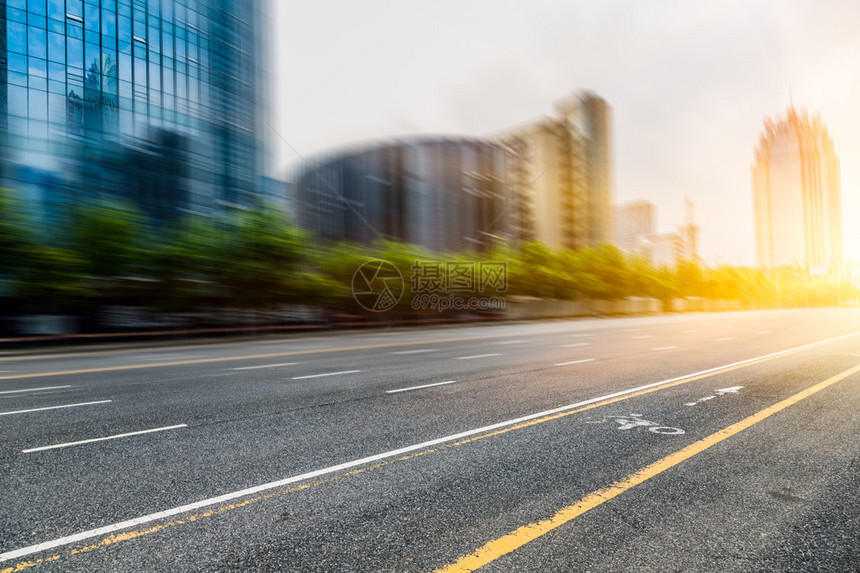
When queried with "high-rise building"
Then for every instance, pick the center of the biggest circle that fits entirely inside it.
(634, 220)
(796, 189)
(154, 101)
(442, 193)
(564, 175)
(689, 233)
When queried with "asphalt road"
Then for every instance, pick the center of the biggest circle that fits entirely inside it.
(695, 442)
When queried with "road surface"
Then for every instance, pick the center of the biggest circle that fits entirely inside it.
(694, 442)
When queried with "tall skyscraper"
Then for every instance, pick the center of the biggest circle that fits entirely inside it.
(565, 174)
(796, 189)
(154, 101)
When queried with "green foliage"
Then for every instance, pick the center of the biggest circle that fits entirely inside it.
(16, 236)
(53, 277)
(257, 260)
(108, 236)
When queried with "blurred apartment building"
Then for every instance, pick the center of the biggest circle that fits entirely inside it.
(441, 193)
(563, 174)
(797, 197)
(635, 233)
(157, 102)
(634, 221)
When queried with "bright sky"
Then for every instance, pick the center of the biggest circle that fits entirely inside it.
(690, 83)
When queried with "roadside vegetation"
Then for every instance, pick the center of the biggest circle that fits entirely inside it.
(106, 253)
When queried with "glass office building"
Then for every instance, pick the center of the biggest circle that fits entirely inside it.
(154, 101)
(441, 193)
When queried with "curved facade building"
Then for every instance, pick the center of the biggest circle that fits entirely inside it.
(442, 193)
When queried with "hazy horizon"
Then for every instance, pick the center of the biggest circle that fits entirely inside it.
(689, 85)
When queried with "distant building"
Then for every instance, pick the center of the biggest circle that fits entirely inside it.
(278, 194)
(689, 233)
(441, 193)
(634, 221)
(664, 250)
(636, 234)
(563, 174)
(797, 194)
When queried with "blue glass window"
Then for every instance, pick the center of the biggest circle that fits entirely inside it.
(17, 101)
(16, 37)
(125, 68)
(91, 55)
(75, 8)
(124, 30)
(37, 42)
(36, 7)
(37, 67)
(56, 9)
(56, 71)
(139, 73)
(91, 17)
(75, 54)
(108, 24)
(22, 4)
(17, 79)
(17, 63)
(154, 39)
(56, 47)
(14, 15)
(167, 88)
(56, 108)
(154, 76)
(74, 30)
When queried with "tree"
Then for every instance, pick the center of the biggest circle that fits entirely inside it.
(108, 236)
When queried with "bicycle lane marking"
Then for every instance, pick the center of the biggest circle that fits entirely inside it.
(112, 533)
(501, 546)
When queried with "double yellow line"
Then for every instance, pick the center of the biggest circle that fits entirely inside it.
(491, 551)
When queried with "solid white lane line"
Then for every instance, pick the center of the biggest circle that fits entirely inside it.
(574, 344)
(108, 529)
(582, 334)
(575, 362)
(641, 336)
(54, 407)
(690, 331)
(794, 328)
(67, 444)
(511, 342)
(419, 387)
(477, 356)
(34, 389)
(763, 332)
(325, 374)
(419, 351)
(723, 338)
(664, 348)
(266, 366)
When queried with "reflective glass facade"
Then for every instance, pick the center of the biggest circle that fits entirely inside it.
(157, 101)
(442, 193)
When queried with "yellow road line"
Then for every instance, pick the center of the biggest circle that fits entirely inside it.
(519, 537)
(133, 534)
